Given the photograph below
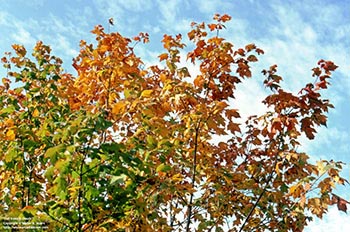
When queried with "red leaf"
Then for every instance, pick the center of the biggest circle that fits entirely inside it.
(341, 202)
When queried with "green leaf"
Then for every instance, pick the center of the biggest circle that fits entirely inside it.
(49, 173)
(53, 152)
(284, 188)
(63, 166)
(10, 155)
(119, 179)
(151, 142)
(7, 110)
(163, 168)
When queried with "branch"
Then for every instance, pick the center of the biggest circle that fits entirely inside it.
(265, 187)
(56, 220)
(80, 193)
(194, 166)
(257, 201)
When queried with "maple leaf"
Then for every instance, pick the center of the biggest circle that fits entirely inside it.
(111, 21)
(10, 135)
(341, 202)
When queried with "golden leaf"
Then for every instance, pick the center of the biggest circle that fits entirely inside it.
(118, 108)
(147, 93)
(36, 113)
(10, 135)
(9, 122)
(104, 48)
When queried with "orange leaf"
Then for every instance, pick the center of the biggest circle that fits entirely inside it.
(9, 122)
(232, 113)
(234, 127)
(36, 113)
(118, 108)
(212, 26)
(163, 56)
(198, 81)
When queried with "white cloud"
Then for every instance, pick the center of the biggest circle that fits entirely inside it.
(249, 96)
(108, 8)
(63, 44)
(24, 37)
(209, 8)
(127, 14)
(335, 220)
(135, 5)
(169, 11)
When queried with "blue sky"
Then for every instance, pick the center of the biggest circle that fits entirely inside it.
(293, 34)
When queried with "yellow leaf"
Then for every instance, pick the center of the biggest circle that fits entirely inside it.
(118, 108)
(221, 105)
(146, 93)
(13, 189)
(251, 169)
(177, 177)
(278, 168)
(10, 135)
(36, 113)
(295, 190)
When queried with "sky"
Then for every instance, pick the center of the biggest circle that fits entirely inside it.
(293, 34)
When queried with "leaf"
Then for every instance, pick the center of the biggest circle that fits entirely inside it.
(147, 93)
(10, 135)
(118, 179)
(341, 202)
(199, 81)
(252, 58)
(234, 127)
(118, 108)
(111, 21)
(307, 128)
(163, 168)
(53, 151)
(163, 56)
(277, 168)
(232, 113)
(9, 122)
(36, 113)
(7, 110)
(151, 142)
(10, 155)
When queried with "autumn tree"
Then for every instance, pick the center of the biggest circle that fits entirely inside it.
(124, 147)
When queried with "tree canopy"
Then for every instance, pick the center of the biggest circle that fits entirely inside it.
(124, 147)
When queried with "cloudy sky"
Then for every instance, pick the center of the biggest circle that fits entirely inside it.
(293, 34)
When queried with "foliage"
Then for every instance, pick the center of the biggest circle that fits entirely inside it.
(125, 148)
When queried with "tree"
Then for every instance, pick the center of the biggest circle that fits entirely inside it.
(126, 148)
